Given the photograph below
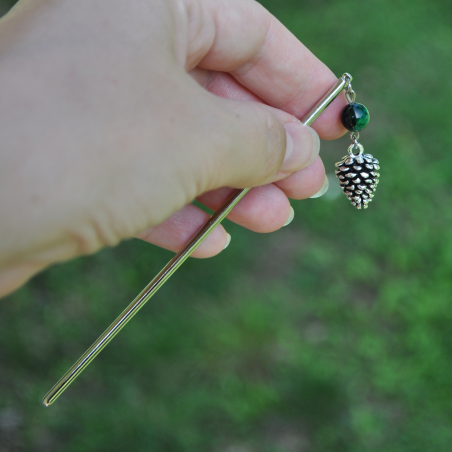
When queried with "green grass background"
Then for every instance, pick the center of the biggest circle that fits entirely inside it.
(333, 334)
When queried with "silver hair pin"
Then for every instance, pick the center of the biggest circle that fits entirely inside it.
(81, 364)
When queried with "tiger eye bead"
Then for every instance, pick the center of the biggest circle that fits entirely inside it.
(355, 117)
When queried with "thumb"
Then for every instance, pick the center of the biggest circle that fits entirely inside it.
(259, 144)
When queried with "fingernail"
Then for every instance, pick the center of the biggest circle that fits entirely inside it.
(302, 146)
(291, 215)
(324, 188)
(228, 240)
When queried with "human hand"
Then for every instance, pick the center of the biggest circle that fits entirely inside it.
(110, 129)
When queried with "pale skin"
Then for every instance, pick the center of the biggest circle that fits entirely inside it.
(115, 115)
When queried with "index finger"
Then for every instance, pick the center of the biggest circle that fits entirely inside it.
(266, 58)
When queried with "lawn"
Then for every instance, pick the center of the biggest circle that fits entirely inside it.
(332, 334)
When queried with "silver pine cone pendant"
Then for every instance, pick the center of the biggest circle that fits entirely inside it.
(357, 172)
(358, 177)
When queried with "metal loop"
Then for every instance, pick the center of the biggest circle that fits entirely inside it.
(353, 146)
(354, 136)
(350, 95)
(348, 79)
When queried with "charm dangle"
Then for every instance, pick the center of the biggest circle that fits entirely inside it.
(358, 175)
(357, 172)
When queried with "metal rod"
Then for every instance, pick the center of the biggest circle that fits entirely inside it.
(173, 264)
(326, 100)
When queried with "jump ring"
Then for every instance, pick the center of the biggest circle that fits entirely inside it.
(354, 146)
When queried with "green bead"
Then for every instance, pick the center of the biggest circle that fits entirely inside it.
(355, 117)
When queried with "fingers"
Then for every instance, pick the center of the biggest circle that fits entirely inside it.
(266, 208)
(304, 183)
(250, 144)
(174, 233)
(263, 56)
(263, 209)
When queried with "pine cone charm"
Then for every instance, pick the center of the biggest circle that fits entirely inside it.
(358, 177)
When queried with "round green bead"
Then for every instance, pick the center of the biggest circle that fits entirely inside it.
(355, 117)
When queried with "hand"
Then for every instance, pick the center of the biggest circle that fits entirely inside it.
(116, 115)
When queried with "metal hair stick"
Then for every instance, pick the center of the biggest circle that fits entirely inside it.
(174, 264)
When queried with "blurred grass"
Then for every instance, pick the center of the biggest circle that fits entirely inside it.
(333, 334)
